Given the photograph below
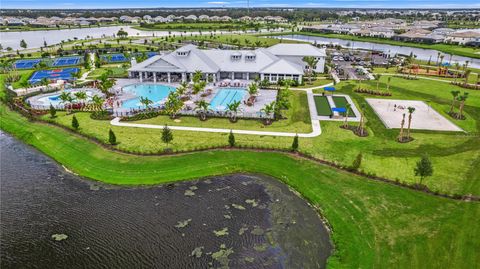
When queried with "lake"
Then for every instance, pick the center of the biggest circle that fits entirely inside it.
(422, 54)
(52, 218)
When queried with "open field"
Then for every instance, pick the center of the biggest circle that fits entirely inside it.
(374, 224)
(454, 155)
(203, 26)
(247, 40)
(446, 48)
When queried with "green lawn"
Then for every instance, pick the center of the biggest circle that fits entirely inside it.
(202, 26)
(375, 225)
(454, 155)
(322, 105)
(237, 39)
(445, 48)
(118, 71)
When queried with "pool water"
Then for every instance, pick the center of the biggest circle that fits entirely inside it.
(55, 99)
(154, 92)
(226, 96)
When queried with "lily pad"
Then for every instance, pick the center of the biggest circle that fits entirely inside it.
(221, 232)
(183, 224)
(59, 237)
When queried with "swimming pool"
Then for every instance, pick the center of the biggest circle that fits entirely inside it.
(226, 96)
(154, 92)
(54, 98)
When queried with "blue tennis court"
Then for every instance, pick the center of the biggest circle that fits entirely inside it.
(26, 64)
(65, 74)
(114, 58)
(64, 61)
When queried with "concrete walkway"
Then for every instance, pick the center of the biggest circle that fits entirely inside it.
(315, 126)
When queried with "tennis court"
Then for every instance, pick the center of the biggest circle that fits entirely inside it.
(64, 74)
(114, 58)
(64, 61)
(26, 64)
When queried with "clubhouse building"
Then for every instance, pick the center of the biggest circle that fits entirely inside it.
(281, 61)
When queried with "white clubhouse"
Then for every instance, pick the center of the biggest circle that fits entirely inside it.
(281, 61)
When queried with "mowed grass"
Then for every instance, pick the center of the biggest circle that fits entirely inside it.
(455, 156)
(341, 101)
(375, 225)
(322, 105)
(237, 39)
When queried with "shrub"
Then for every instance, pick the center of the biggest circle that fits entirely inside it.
(75, 123)
(53, 111)
(231, 139)
(112, 139)
(295, 143)
(357, 162)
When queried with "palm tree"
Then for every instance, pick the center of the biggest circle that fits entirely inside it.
(467, 74)
(173, 104)
(66, 98)
(233, 108)
(457, 71)
(462, 99)
(252, 90)
(145, 101)
(198, 87)
(98, 102)
(182, 88)
(388, 83)
(377, 78)
(400, 136)
(361, 126)
(311, 62)
(454, 94)
(268, 110)
(75, 77)
(410, 112)
(202, 108)
(347, 107)
(45, 82)
(81, 96)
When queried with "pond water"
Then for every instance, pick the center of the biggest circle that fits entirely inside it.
(51, 218)
(422, 54)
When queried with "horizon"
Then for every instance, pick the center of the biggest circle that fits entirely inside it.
(334, 4)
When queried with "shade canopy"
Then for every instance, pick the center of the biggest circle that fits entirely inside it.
(339, 109)
(329, 89)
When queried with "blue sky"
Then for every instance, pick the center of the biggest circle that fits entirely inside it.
(70, 4)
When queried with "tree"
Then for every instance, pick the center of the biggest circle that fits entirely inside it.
(112, 139)
(295, 143)
(231, 139)
(455, 95)
(146, 102)
(268, 110)
(388, 83)
(361, 125)
(202, 109)
(347, 107)
(197, 76)
(357, 162)
(167, 135)
(97, 102)
(467, 74)
(122, 33)
(173, 104)
(461, 99)
(252, 89)
(75, 123)
(410, 112)
(233, 109)
(66, 98)
(53, 111)
(45, 82)
(401, 136)
(23, 44)
(423, 168)
(75, 77)
(377, 78)
(81, 97)
(311, 62)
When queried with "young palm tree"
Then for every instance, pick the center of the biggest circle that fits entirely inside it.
(198, 87)
(173, 104)
(467, 74)
(202, 109)
(389, 79)
(146, 102)
(345, 123)
(377, 78)
(400, 136)
(233, 108)
(81, 97)
(98, 102)
(75, 77)
(410, 112)
(268, 110)
(457, 71)
(454, 94)
(462, 99)
(66, 98)
(361, 125)
(45, 82)
(311, 62)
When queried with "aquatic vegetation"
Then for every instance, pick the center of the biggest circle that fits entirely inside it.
(257, 231)
(197, 252)
(239, 207)
(242, 230)
(189, 193)
(59, 237)
(221, 232)
(227, 216)
(193, 188)
(249, 259)
(183, 224)
(261, 247)
(221, 256)
(253, 202)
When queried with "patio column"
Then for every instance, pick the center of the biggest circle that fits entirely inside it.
(141, 76)
(191, 77)
(214, 78)
(233, 76)
(155, 77)
(262, 77)
(248, 76)
(168, 77)
(184, 77)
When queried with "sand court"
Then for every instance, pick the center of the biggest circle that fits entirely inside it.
(424, 118)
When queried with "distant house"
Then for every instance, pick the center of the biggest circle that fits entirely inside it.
(420, 36)
(190, 18)
(282, 61)
(203, 18)
(470, 38)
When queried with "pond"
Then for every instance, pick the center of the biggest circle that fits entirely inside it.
(52, 218)
(422, 54)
